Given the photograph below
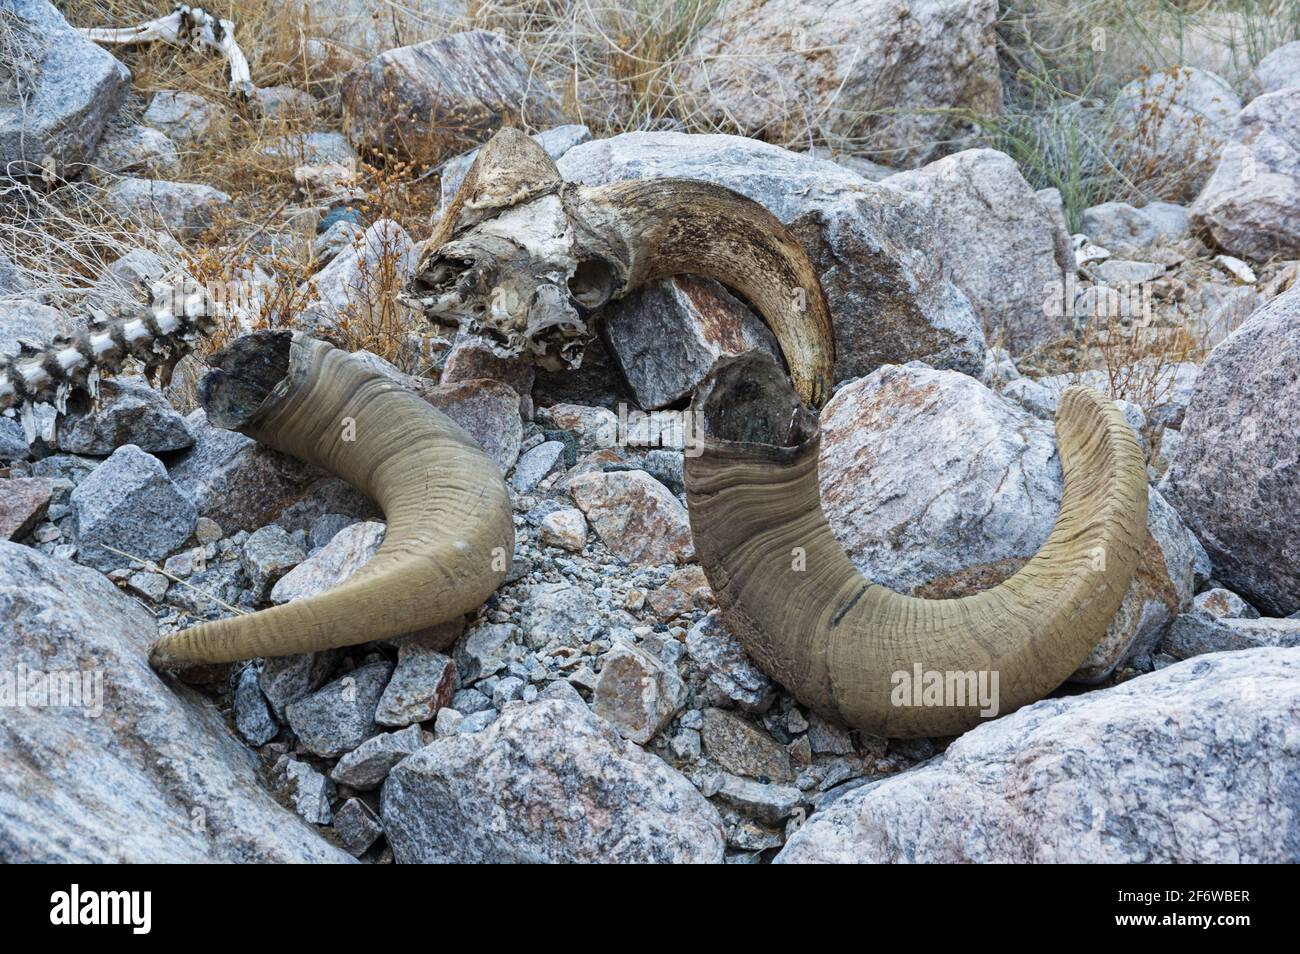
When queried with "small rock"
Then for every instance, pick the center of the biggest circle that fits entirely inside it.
(128, 502)
(668, 336)
(686, 745)
(479, 654)
(828, 738)
(310, 792)
(769, 803)
(1236, 268)
(329, 566)
(685, 590)
(128, 412)
(357, 826)
(489, 411)
(366, 766)
(281, 102)
(184, 208)
(565, 528)
(742, 749)
(731, 676)
(636, 693)
(286, 679)
(185, 118)
(476, 722)
(635, 516)
(507, 690)
(326, 527)
(1127, 230)
(536, 464)
(24, 501)
(268, 554)
(338, 717)
(423, 682)
(1223, 604)
(253, 716)
(447, 723)
(152, 586)
(133, 148)
(557, 611)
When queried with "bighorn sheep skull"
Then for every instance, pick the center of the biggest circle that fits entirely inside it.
(524, 259)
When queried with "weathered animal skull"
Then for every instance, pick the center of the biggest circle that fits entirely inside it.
(504, 262)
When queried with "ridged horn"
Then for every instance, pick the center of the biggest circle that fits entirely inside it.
(648, 229)
(450, 537)
(790, 594)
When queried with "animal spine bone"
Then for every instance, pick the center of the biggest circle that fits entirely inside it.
(186, 26)
(158, 339)
(450, 537)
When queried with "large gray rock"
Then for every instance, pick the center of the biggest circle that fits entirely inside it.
(128, 412)
(997, 241)
(421, 102)
(889, 298)
(1279, 70)
(1237, 474)
(56, 93)
(889, 72)
(668, 336)
(938, 487)
(1251, 205)
(1194, 634)
(236, 481)
(1196, 763)
(1172, 126)
(547, 782)
(183, 208)
(129, 503)
(142, 770)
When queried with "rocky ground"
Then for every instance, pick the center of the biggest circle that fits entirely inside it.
(596, 708)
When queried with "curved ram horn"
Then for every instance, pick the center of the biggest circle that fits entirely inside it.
(633, 232)
(788, 591)
(450, 536)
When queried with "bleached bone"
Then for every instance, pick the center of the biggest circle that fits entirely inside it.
(186, 26)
